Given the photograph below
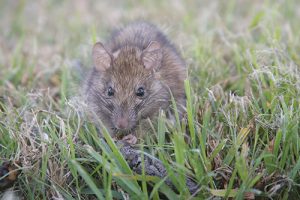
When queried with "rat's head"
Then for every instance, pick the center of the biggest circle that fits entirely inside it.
(127, 85)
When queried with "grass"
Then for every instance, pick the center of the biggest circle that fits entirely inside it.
(242, 100)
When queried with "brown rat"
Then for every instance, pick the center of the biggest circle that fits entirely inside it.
(132, 77)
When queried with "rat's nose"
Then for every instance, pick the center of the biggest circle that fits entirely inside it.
(122, 123)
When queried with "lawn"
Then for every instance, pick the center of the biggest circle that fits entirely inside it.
(243, 101)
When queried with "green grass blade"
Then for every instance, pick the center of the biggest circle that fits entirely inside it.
(88, 180)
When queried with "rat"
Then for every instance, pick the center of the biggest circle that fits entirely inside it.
(133, 76)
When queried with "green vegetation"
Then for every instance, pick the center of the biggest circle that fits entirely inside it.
(243, 108)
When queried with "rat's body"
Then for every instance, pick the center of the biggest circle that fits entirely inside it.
(133, 75)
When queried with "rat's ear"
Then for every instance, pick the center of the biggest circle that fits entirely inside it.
(101, 57)
(116, 53)
(152, 56)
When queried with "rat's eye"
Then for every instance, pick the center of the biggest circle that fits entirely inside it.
(140, 92)
(110, 92)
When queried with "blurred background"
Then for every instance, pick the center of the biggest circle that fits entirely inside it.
(43, 42)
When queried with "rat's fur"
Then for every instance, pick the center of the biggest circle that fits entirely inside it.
(137, 55)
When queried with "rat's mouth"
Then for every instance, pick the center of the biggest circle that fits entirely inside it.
(123, 132)
(123, 124)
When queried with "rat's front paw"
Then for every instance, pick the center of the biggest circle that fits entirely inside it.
(130, 139)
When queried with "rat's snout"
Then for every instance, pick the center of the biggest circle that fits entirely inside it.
(122, 122)
(124, 119)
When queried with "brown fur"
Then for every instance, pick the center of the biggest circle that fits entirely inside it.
(138, 55)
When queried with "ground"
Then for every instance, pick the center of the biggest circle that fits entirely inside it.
(242, 100)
